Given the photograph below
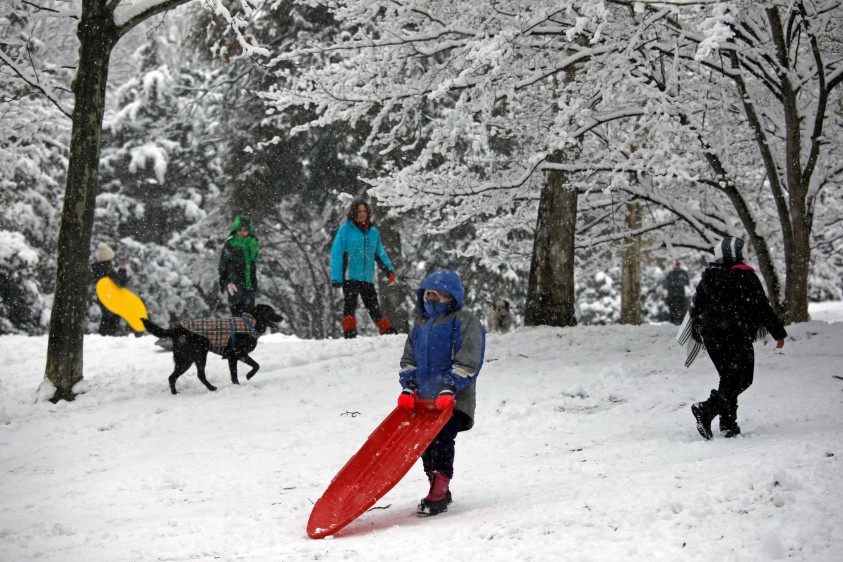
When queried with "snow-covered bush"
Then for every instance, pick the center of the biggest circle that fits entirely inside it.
(21, 303)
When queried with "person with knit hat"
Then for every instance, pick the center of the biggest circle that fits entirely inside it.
(728, 312)
(238, 266)
(357, 247)
(442, 358)
(104, 267)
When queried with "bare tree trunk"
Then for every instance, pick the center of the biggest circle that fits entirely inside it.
(67, 323)
(550, 291)
(393, 297)
(799, 264)
(631, 269)
(97, 35)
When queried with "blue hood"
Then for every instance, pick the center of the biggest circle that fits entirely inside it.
(444, 280)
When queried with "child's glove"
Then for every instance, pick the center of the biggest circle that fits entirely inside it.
(445, 399)
(391, 278)
(407, 399)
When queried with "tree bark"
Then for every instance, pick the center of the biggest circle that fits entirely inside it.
(550, 291)
(798, 246)
(631, 269)
(393, 297)
(799, 264)
(97, 36)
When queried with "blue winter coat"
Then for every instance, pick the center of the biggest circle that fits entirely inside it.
(446, 349)
(354, 253)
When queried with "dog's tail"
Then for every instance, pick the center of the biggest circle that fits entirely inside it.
(157, 330)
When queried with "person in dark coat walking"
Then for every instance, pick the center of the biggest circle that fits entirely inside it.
(238, 275)
(356, 249)
(104, 267)
(442, 357)
(674, 283)
(728, 312)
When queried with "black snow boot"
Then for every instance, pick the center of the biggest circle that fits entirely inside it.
(729, 423)
(730, 431)
(703, 414)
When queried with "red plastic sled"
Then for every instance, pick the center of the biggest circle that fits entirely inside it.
(382, 461)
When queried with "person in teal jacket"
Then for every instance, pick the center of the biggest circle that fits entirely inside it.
(357, 247)
(238, 266)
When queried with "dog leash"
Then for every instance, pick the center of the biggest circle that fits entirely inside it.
(233, 331)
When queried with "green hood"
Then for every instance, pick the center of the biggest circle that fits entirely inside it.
(240, 221)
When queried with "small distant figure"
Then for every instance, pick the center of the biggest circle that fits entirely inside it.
(674, 283)
(104, 267)
(499, 318)
(238, 266)
(357, 248)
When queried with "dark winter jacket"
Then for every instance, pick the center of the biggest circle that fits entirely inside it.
(730, 302)
(232, 267)
(446, 349)
(101, 269)
(675, 282)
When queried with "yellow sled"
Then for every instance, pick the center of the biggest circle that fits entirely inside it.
(122, 302)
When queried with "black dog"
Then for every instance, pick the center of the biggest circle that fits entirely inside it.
(233, 338)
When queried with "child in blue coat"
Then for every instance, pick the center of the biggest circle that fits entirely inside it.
(442, 358)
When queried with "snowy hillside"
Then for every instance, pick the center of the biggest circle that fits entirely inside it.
(584, 449)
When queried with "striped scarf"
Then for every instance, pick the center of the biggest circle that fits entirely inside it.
(686, 338)
(690, 339)
(251, 248)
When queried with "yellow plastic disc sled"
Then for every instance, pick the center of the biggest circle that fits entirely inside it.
(122, 302)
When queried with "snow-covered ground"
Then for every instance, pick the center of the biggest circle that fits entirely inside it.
(584, 449)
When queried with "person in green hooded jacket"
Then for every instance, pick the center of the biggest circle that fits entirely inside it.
(238, 271)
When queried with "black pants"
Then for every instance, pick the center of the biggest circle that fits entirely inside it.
(734, 359)
(109, 323)
(439, 455)
(350, 290)
(241, 301)
(677, 306)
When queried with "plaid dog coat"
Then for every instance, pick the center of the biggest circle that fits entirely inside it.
(219, 331)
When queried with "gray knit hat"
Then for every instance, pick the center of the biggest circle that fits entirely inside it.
(730, 249)
(104, 252)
